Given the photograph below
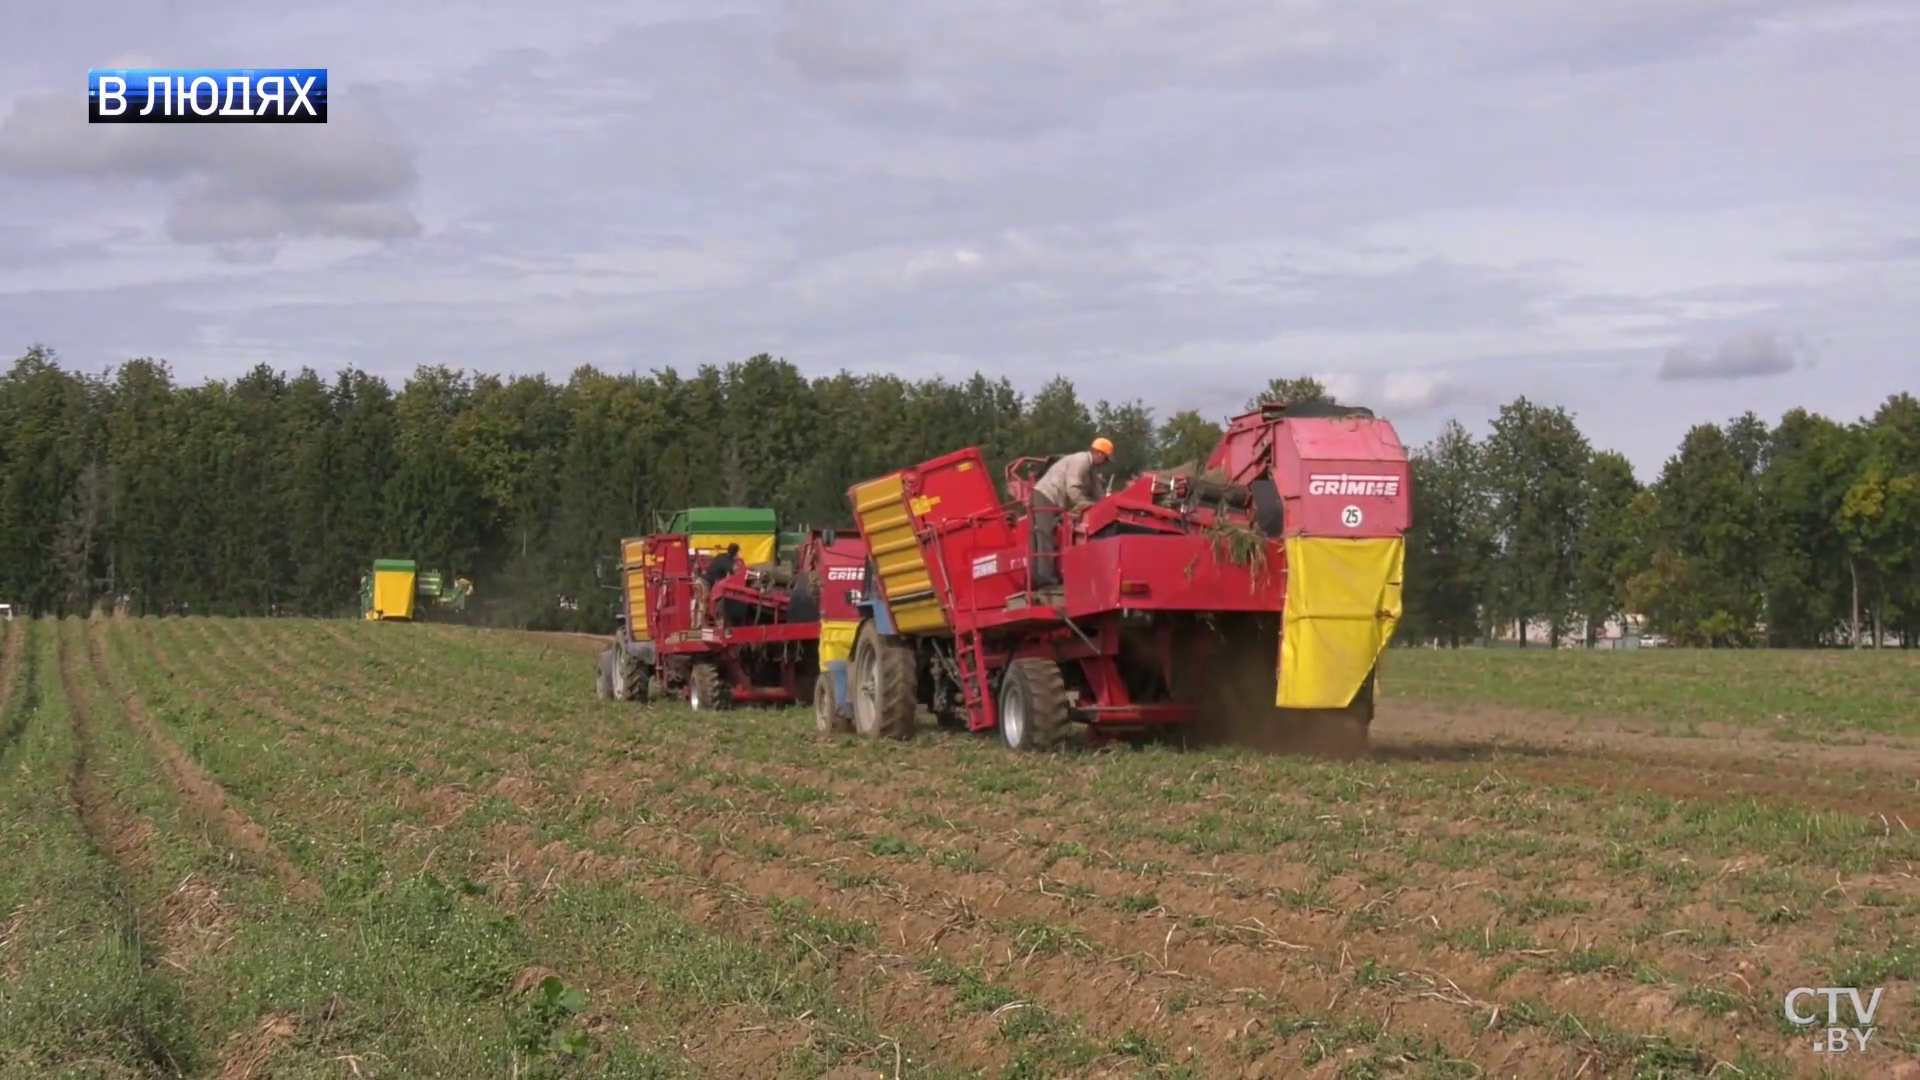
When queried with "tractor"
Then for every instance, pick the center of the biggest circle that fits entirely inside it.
(397, 591)
(1245, 600)
(755, 637)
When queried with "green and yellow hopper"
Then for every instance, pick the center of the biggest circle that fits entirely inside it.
(396, 586)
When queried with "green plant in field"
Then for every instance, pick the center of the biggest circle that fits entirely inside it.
(540, 1031)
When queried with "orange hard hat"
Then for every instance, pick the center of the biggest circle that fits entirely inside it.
(1103, 445)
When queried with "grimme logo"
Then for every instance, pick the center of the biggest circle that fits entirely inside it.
(845, 573)
(1836, 1039)
(1352, 484)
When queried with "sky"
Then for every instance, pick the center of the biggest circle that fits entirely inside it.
(1654, 213)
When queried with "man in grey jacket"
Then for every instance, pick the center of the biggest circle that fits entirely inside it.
(1070, 485)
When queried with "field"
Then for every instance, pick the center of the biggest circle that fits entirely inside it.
(276, 848)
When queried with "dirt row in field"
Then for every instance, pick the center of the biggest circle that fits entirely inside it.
(724, 905)
(191, 782)
(1870, 774)
(1015, 919)
(1874, 775)
(525, 872)
(914, 769)
(1250, 935)
(124, 837)
(918, 906)
(1873, 778)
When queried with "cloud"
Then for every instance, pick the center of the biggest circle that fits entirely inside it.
(1751, 356)
(842, 41)
(228, 184)
(1896, 249)
(1169, 201)
(1407, 393)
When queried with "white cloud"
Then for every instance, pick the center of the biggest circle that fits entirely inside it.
(230, 183)
(1749, 356)
(1435, 207)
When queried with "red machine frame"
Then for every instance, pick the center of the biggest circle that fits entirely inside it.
(1147, 601)
(762, 660)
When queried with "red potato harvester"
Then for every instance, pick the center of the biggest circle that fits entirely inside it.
(759, 636)
(1248, 602)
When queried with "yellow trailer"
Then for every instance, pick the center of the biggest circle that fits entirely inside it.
(388, 593)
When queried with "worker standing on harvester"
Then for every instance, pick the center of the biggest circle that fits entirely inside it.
(1069, 485)
(719, 568)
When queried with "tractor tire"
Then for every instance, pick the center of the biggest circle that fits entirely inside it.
(706, 690)
(617, 674)
(603, 676)
(1033, 705)
(882, 684)
(827, 717)
(629, 677)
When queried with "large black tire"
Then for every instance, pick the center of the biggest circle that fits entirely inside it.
(603, 675)
(828, 719)
(629, 676)
(882, 685)
(620, 672)
(1033, 705)
(706, 690)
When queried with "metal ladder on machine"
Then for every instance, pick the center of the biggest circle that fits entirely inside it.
(976, 692)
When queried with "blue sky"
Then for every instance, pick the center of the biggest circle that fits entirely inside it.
(1653, 212)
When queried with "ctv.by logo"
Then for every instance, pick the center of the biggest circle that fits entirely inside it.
(1836, 1039)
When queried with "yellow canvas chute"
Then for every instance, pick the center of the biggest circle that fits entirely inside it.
(755, 548)
(1343, 602)
(836, 640)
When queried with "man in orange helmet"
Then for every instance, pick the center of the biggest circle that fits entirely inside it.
(1070, 485)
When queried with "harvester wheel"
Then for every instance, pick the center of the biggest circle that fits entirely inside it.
(1033, 705)
(827, 717)
(706, 691)
(629, 678)
(603, 676)
(882, 685)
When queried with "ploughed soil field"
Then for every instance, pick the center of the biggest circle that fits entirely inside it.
(291, 849)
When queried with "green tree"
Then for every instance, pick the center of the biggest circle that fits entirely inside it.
(1536, 461)
(1703, 585)
(1806, 567)
(1289, 391)
(1135, 438)
(1186, 439)
(1450, 543)
(1609, 545)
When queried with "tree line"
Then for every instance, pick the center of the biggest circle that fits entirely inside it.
(272, 493)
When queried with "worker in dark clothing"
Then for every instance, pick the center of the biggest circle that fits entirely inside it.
(719, 568)
(1070, 485)
(722, 565)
